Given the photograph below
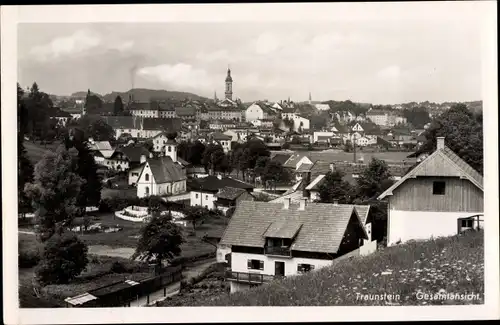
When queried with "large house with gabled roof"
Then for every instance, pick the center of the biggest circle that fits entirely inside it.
(162, 176)
(269, 240)
(441, 196)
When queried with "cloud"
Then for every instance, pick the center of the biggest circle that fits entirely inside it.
(267, 43)
(180, 75)
(125, 46)
(220, 55)
(391, 72)
(77, 43)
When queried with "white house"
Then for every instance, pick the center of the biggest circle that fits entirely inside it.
(321, 134)
(357, 128)
(259, 111)
(204, 190)
(222, 139)
(441, 196)
(164, 175)
(269, 240)
(364, 141)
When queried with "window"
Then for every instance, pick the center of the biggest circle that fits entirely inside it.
(147, 190)
(467, 223)
(304, 268)
(146, 177)
(169, 149)
(196, 195)
(206, 197)
(438, 188)
(135, 174)
(255, 264)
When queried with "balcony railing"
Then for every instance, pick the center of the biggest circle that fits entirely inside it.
(251, 278)
(278, 251)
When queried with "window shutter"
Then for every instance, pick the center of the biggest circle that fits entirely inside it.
(261, 265)
(249, 264)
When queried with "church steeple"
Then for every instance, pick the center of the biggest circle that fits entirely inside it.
(310, 98)
(215, 95)
(229, 85)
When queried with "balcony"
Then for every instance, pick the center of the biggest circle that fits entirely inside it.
(278, 251)
(251, 278)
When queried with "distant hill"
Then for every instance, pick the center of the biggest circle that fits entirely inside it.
(83, 94)
(145, 95)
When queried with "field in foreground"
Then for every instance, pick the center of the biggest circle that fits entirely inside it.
(453, 265)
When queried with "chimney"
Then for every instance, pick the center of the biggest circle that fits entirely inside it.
(143, 159)
(286, 203)
(440, 143)
(331, 167)
(302, 205)
(306, 180)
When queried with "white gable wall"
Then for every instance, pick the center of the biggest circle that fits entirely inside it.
(421, 225)
(144, 187)
(254, 112)
(202, 199)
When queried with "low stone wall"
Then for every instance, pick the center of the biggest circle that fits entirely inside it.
(119, 214)
(137, 211)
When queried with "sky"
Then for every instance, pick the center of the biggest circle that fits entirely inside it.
(380, 62)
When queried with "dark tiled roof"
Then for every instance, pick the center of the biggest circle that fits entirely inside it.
(213, 183)
(230, 193)
(144, 106)
(185, 111)
(134, 153)
(281, 157)
(363, 211)
(304, 168)
(123, 122)
(163, 124)
(283, 229)
(165, 170)
(221, 136)
(323, 225)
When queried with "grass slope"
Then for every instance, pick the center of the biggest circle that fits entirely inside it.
(453, 265)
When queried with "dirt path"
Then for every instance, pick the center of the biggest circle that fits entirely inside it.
(103, 250)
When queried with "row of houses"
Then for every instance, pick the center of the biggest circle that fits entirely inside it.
(293, 235)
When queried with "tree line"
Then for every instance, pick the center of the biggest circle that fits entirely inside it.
(250, 160)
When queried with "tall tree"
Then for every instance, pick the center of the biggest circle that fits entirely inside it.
(118, 106)
(64, 257)
(463, 135)
(24, 176)
(274, 172)
(160, 239)
(213, 157)
(86, 168)
(335, 188)
(54, 191)
(374, 179)
(196, 215)
(195, 153)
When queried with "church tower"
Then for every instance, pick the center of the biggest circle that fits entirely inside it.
(170, 149)
(229, 85)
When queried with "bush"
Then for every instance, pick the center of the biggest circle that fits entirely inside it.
(64, 257)
(118, 267)
(28, 258)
